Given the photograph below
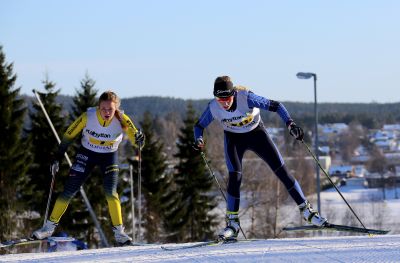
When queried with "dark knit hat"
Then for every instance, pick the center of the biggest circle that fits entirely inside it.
(223, 87)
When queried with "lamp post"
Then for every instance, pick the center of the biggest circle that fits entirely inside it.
(308, 75)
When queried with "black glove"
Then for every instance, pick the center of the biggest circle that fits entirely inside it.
(199, 144)
(139, 139)
(296, 131)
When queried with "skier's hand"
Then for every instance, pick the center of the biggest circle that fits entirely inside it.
(139, 139)
(54, 167)
(296, 131)
(199, 144)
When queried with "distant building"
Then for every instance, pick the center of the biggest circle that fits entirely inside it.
(387, 145)
(361, 159)
(360, 171)
(356, 182)
(393, 158)
(377, 180)
(391, 127)
(386, 140)
(360, 156)
(333, 128)
(324, 150)
(342, 171)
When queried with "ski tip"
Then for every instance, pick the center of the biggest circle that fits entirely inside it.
(378, 232)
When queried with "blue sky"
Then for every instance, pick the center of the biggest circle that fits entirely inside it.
(177, 48)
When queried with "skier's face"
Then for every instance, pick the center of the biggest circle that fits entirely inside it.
(107, 109)
(225, 103)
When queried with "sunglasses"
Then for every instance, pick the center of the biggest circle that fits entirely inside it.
(224, 99)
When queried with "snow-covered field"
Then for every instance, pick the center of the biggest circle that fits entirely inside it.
(320, 246)
(332, 249)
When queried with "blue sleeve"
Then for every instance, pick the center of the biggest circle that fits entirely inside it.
(205, 119)
(255, 101)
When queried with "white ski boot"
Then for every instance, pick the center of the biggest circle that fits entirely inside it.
(46, 231)
(120, 236)
(310, 215)
(231, 231)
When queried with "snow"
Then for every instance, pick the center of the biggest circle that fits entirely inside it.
(318, 246)
(322, 249)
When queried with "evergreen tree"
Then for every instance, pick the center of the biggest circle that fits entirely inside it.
(44, 146)
(85, 97)
(14, 158)
(189, 218)
(154, 181)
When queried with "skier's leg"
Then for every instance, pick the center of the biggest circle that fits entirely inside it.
(110, 188)
(234, 152)
(264, 147)
(110, 171)
(77, 176)
(291, 184)
(233, 158)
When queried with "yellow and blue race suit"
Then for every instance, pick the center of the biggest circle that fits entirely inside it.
(99, 145)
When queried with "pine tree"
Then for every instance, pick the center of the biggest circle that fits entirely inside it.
(85, 97)
(14, 157)
(189, 218)
(44, 146)
(154, 181)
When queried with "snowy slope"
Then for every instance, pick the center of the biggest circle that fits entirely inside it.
(332, 249)
(319, 247)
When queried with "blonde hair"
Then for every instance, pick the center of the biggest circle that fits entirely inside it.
(111, 96)
(241, 88)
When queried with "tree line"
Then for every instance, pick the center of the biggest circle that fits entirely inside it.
(370, 115)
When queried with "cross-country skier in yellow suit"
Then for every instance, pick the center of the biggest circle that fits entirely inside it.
(102, 129)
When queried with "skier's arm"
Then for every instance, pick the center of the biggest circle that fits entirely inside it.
(205, 119)
(130, 129)
(256, 101)
(73, 130)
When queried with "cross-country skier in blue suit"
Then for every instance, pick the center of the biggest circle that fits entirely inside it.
(238, 111)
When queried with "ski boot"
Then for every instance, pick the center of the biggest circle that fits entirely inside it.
(310, 215)
(46, 231)
(231, 231)
(121, 237)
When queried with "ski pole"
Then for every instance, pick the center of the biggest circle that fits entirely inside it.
(139, 191)
(330, 180)
(53, 176)
(216, 180)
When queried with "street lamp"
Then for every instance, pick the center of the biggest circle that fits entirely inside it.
(308, 75)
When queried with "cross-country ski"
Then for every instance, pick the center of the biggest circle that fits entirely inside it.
(334, 227)
(27, 241)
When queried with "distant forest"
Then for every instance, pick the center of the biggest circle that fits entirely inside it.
(370, 115)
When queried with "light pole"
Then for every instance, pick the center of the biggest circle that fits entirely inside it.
(308, 75)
